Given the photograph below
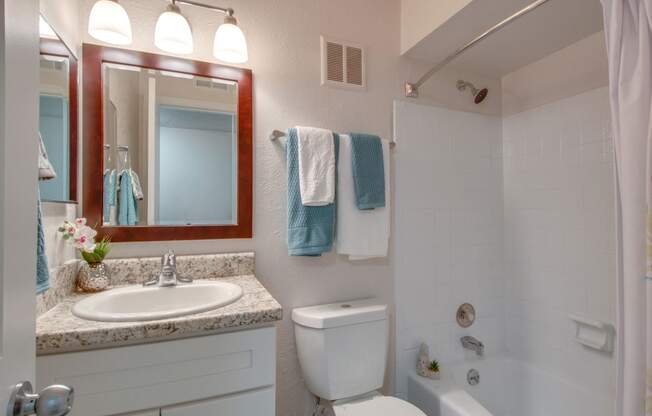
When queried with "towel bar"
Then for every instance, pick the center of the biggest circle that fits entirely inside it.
(277, 134)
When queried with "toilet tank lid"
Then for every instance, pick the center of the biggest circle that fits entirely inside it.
(340, 314)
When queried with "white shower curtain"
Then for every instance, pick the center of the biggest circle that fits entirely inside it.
(628, 28)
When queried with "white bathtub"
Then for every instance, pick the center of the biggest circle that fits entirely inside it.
(507, 388)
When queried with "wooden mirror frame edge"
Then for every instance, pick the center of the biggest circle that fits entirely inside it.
(93, 57)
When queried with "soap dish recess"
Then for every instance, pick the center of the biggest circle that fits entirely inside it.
(594, 334)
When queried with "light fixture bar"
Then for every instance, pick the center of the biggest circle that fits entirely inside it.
(226, 11)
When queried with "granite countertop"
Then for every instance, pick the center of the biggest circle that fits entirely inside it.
(58, 330)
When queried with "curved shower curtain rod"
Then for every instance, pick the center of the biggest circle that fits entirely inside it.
(412, 89)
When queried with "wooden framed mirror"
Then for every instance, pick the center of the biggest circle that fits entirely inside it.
(168, 151)
(58, 124)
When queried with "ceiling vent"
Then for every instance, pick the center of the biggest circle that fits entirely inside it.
(342, 64)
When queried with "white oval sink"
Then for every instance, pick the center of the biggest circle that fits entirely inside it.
(138, 303)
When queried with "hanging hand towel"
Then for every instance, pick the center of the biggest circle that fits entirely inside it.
(316, 152)
(109, 195)
(361, 234)
(45, 168)
(135, 185)
(42, 270)
(127, 209)
(45, 172)
(310, 229)
(368, 175)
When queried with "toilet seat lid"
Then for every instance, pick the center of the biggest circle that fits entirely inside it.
(375, 405)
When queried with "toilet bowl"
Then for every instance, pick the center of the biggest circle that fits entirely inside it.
(375, 404)
(342, 349)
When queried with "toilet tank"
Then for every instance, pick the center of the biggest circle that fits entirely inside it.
(342, 347)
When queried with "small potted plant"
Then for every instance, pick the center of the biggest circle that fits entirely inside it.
(426, 367)
(94, 274)
(433, 370)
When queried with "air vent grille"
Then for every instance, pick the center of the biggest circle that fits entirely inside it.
(334, 62)
(354, 65)
(207, 83)
(343, 64)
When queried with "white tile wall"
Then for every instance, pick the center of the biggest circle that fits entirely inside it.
(448, 238)
(559, 230)
(516, 216)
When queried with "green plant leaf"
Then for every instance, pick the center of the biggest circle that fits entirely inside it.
(433, 366)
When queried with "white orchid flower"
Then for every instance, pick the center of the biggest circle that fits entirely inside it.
(84, 238)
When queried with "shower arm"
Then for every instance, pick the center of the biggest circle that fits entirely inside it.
(412, 89)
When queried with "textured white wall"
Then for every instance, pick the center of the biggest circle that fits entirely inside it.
(56, 249)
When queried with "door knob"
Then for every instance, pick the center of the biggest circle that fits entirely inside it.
(54, 400)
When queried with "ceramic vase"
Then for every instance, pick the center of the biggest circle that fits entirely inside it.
(93, 277)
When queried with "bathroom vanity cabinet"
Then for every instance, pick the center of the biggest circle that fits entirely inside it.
(226, 374)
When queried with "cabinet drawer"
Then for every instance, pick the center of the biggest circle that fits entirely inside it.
(258, 403)
(127, 379)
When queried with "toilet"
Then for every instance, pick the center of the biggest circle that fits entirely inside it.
(342, 349)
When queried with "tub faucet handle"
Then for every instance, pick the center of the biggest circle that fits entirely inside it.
(473, 344)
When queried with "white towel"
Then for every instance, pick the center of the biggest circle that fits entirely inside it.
(135, 184)
(45, 168)
(316, 150)
(361, 234)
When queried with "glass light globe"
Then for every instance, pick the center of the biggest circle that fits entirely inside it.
(172, 33)
(109, 23)
(230, 44)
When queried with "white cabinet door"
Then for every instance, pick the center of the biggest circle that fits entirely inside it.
(151, 376)
(259, 403)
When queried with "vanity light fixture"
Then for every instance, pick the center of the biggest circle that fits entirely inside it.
(110, 23)
(230, 44)
(172, 33)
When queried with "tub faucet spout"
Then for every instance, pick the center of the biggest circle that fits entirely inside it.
(473, 344)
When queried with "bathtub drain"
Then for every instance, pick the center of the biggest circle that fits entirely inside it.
(473, 377)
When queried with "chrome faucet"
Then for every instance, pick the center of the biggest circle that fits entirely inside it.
(473, 344)
(168, 276)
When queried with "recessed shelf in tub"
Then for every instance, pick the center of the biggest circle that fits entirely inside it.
(594, 334)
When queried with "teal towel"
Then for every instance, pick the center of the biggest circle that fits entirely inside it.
(310, 229)
(127, 209)
(42, 271)
(368, 171)
(109, 200)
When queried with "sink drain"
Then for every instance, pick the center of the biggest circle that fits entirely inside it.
(473, 377)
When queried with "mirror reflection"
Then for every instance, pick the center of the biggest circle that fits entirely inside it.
(54, 126)
(170, 148)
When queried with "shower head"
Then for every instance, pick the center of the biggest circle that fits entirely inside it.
(478, 94)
